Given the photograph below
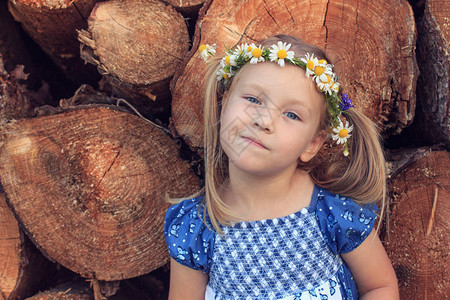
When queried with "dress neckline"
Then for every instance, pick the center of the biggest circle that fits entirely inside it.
(265, 222)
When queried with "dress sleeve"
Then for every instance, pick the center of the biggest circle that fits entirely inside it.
(189, 240)
(344, 223)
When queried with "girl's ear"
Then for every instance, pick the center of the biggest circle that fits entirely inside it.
(314, 146)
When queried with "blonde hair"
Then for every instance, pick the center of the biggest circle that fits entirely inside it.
(360, 176)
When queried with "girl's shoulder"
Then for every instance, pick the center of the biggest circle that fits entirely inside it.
(188, 235)
(344, 223)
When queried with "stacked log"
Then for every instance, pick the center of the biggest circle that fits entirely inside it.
(417, 239)
(89, 186)
(52, 25)
(24, 269)
(125, 46)
(84, 184)
(384, 89)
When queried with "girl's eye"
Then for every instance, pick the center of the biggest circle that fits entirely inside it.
(292, 116)
(253, 100)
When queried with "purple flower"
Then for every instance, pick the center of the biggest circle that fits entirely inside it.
(345, 103)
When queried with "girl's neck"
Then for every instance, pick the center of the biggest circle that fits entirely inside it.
(257, 197)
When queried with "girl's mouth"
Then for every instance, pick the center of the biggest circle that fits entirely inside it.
(254, 142)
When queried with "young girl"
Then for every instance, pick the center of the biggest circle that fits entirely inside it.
(271, 221)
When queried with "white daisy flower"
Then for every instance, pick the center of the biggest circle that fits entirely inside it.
(311, 62)
(324, 86)
(280, 53)
(342, 133)
(321, 70)
(229, 60)
(206, 51)
(241, 49)
(329, 86)
(223, 74)
(255, 54)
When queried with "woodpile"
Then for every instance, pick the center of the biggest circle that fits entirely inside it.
(85, 168)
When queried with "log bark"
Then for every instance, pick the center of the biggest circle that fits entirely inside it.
(89, 187)
(9, 250)
(376, 39)
(52, 25)
(23, 269)
(433, 48)
(137, 45)
(417, 239)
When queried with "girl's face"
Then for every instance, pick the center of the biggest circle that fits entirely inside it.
(270, 118)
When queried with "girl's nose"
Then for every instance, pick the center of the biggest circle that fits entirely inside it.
(265, 123)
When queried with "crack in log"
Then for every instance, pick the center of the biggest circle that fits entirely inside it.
(289, 12)
(79, 12)
(325, 25)
(357, 25)
(246, 27)
(268, 12)
(244, 33)
(114, 160)
(433, 212)
(232, 31)
(104, 174)
(112, 18)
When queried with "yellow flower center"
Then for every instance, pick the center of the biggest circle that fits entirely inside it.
(328, 79)
(281, 54)
(256, 52)
(225, 76)
(310, 64)
(319, 70)
(249, 48)
(323, 61)
(202, 48)
(343, 133)
(227, 60)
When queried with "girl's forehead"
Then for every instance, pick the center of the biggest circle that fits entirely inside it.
(271, 76)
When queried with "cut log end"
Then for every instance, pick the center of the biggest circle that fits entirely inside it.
(417, 240)
(91, 192)
(129, 45)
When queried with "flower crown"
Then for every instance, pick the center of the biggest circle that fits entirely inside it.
(320, 71)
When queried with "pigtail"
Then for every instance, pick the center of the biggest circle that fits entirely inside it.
(216, 167)
(362, 175)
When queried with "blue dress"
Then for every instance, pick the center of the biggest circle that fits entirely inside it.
(291, 257)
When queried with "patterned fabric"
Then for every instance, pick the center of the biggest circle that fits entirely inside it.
(292, 257)
(328, 290)
(287, 254)
(189, 240)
